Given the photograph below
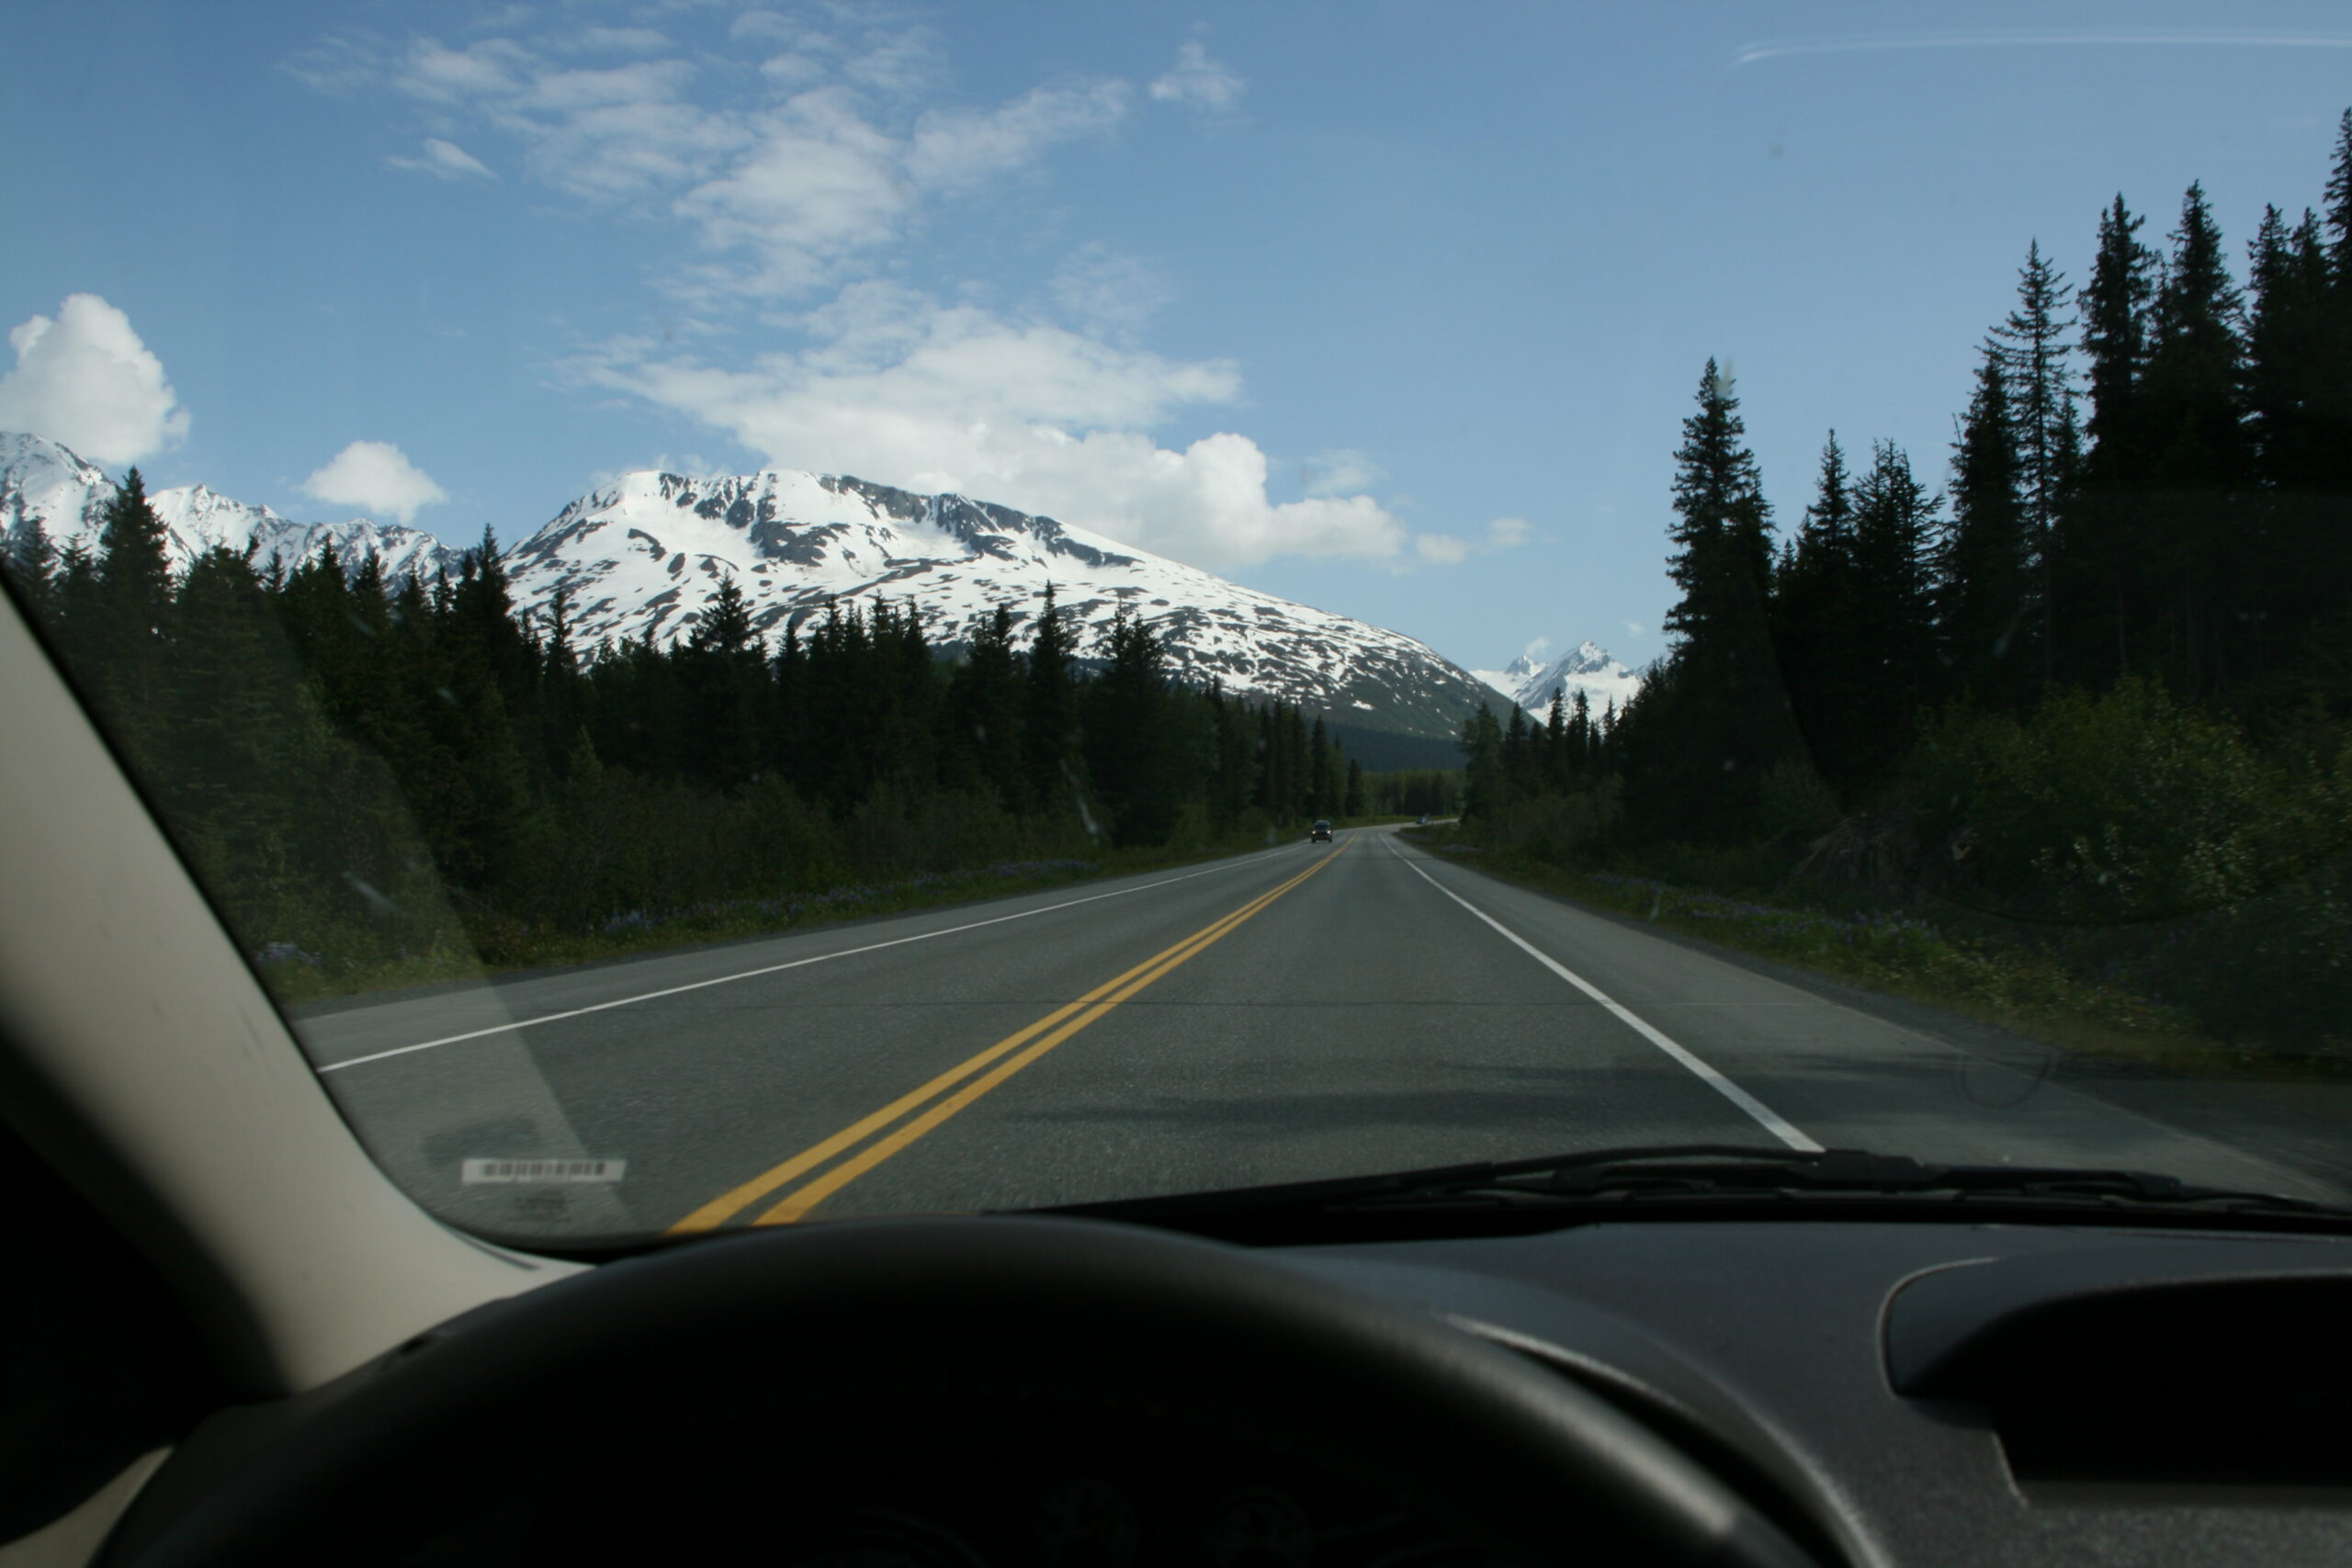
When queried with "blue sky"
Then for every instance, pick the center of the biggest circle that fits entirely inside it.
(1393, 308)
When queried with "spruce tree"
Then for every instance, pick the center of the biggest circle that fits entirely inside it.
(1986, 564)
(2037, 372)
(1893, 605)
(2192, 411)
(1815, 628)
(1486, 782)
(1737, 724)
(1324, 778)
(126, 638)
(1050, 717)
(983, 703)
(31, 564)
(2097, 555)
(2115, 327)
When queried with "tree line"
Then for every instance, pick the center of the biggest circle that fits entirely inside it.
(363, 766)
(2103, 674)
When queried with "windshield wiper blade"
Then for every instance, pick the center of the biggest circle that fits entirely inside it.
(1734, 1173)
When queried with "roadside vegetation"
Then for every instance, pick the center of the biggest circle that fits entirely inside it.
(387, 781)
(2069, 744)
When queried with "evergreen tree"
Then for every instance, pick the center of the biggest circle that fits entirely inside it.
(2191, 409)
(985, 705)
(1559, 767)
(1049, 716)
(2330, 411)
(2115, 326)
(1324, 783)
(1815, 629)
(1986, 564)
(723, 676)
(1486, 782)
(1737, 722)
(2096, 570)
(2038, 376)
(2300, 520)
(1126, 731)
(124, 633)
(32, 565)
(1893, 609)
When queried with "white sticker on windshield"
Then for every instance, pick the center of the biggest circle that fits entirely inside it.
(476, 1172)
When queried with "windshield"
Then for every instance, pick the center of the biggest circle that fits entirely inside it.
(760, 614)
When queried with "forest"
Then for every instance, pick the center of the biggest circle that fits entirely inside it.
(380, 779)
(2091, 699)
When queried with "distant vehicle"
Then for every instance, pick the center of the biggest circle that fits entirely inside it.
(1320, 833)
(1424, 822)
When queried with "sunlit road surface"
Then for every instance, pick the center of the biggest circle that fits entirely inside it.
(1306, 1011)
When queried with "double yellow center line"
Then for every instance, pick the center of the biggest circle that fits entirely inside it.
(914, 1114)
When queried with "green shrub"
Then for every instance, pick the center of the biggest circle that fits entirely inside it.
(2123, 806)
(1555, 828)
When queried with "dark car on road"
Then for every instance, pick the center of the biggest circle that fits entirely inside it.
(1320, 833)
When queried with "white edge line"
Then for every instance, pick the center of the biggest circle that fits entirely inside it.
(776, 968)
(1765, 1116)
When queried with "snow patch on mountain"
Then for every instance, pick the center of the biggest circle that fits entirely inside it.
(640, 557)
(44, 483)
(1589, 668)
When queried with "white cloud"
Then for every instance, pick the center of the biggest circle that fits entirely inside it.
(898, 387)
(1535, 651)
(1450, 551)
(375, 477)
(1446, 549)
(794, 185)
(1338, 472)
(1101, 290)
(619, 40)
(494, 68)
(1199, 81)
(818, 184)
(445, 159)
(84, 379)
(763, 25)
(792, 181)
(957, 149)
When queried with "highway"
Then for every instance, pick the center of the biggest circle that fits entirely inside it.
(1305, 1012)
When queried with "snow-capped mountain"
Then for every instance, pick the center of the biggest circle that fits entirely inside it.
(43, 482)
(1589, 668)
(642, 556)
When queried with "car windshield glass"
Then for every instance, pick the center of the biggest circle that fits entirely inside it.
(755, 613)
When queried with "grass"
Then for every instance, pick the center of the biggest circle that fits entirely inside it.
(1902, 952)
(506, 946)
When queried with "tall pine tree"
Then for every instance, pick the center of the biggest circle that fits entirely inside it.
(2037, 372)
(1986, 590)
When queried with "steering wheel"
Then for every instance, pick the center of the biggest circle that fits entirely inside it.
(751, 1333)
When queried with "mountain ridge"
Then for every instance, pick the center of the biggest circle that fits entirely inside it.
(640, 556)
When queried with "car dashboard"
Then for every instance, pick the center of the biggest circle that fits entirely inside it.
(1884, 1394)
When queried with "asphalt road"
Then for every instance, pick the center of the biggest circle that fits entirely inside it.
(1309, 1010)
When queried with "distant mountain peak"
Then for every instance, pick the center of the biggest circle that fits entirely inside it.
(1588, 667)
(41, 480)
